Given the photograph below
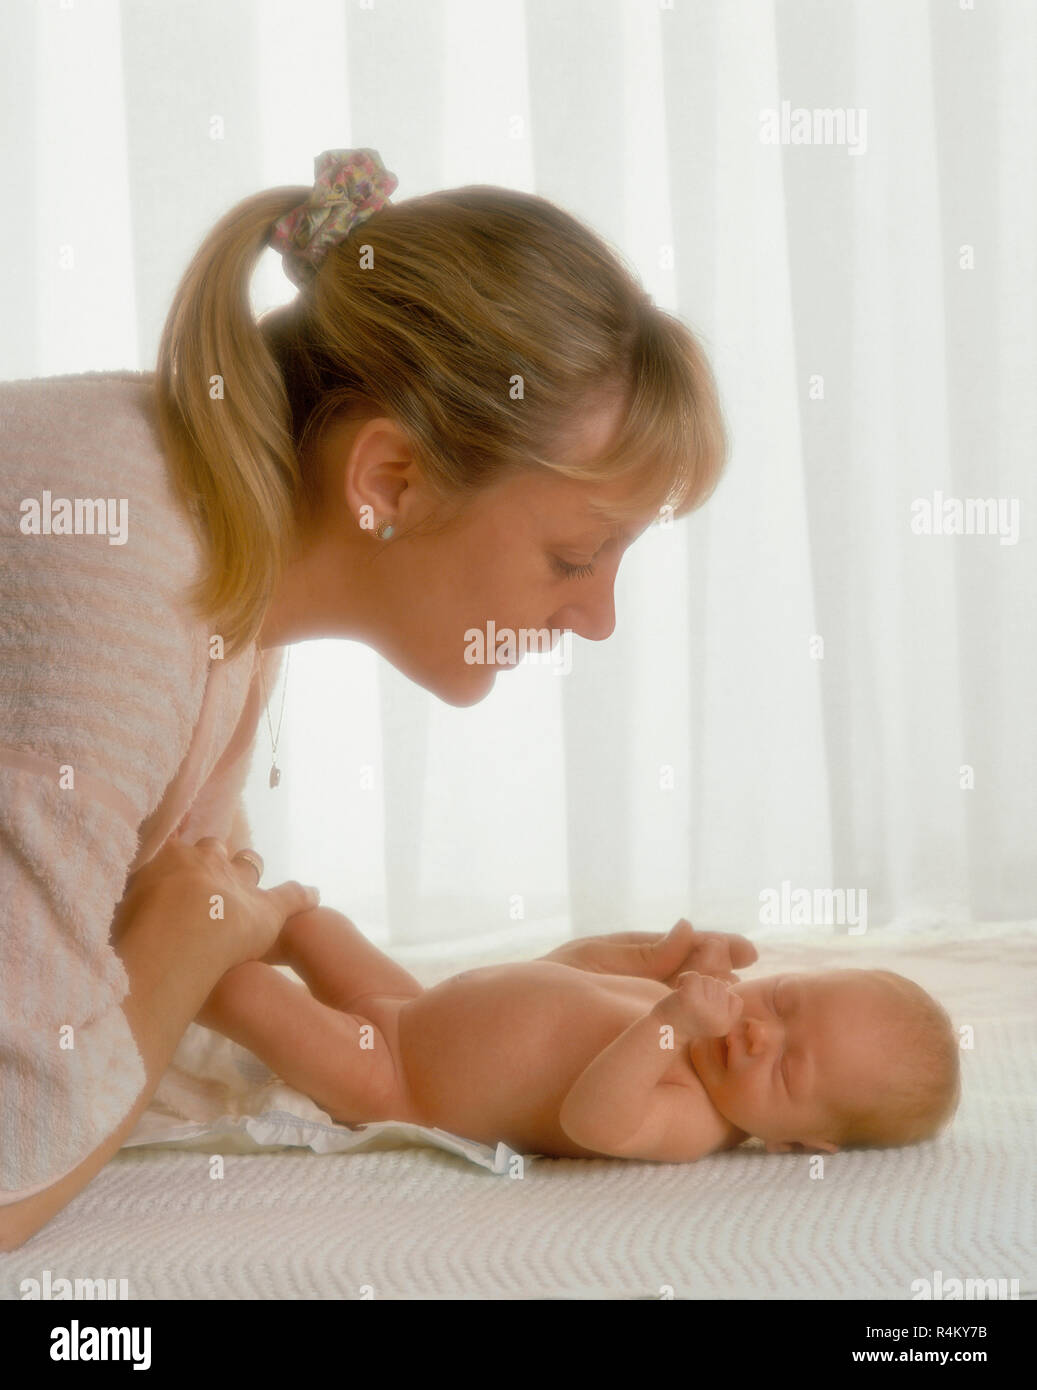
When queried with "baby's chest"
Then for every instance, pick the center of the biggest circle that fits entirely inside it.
(516, 1039)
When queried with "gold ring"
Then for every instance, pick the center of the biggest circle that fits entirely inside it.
(250, 857)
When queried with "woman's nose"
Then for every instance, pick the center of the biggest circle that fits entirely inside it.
(594, 616)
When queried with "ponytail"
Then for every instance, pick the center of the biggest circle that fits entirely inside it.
(225, 423)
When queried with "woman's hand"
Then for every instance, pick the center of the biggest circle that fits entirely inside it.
(216, 894)
(662, 956)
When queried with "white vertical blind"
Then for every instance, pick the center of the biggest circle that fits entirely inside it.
(800, 687)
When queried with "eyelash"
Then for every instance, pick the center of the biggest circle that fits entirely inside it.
(573, 571)
(784, 1073)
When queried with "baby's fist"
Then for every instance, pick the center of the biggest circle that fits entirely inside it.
(701, 1006)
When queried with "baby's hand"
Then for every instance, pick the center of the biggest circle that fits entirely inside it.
(662, 956)
(700, 1006)
(707, 952)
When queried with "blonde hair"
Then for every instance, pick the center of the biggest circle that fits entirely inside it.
(459, 294)
(921, 1088)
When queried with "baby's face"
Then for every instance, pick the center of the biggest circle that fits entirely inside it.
(802, 1043)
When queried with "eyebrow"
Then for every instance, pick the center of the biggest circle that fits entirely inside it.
(592, 533)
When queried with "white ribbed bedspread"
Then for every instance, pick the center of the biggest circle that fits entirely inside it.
(424, 1223)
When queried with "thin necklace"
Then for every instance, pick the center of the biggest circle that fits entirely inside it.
(275, 771)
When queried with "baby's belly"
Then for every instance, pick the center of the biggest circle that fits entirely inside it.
(492, 1053)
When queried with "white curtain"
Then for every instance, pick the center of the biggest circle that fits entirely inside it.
(802, 693)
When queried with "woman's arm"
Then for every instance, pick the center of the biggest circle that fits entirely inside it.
(173, 953)
(172, 965)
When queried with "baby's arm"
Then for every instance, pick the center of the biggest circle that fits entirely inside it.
(620, 1105)
(663, 956)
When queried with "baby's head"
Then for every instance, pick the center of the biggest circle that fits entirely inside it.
(845, 1058)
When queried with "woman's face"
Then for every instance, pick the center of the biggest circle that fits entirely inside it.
(526, 554)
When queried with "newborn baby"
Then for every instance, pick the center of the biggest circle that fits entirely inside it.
(560, 1060)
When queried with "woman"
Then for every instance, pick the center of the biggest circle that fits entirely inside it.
(466, 416)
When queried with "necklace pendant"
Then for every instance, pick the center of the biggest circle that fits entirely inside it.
(275, 775)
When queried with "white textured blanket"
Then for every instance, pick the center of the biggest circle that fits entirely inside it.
(439, 1218)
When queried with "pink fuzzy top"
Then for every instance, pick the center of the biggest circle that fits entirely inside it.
(105, 672)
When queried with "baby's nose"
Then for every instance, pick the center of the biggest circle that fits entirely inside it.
(755, 1035)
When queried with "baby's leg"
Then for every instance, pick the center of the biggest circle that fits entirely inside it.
(338, 962)
(340, 1060)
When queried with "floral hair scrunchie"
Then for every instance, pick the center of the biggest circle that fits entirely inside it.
(349, 185)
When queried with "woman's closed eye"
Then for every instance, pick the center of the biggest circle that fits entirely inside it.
(572, 571)
(581, 571)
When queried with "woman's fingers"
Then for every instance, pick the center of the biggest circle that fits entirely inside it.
(289, 897)
(247, 861)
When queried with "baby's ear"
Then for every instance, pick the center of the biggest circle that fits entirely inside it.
(797, 1146)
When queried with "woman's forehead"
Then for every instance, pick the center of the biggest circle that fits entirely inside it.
(592, 429)
(578, 508)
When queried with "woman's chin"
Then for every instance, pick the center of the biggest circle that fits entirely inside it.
(458, 687)
(468, 687)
